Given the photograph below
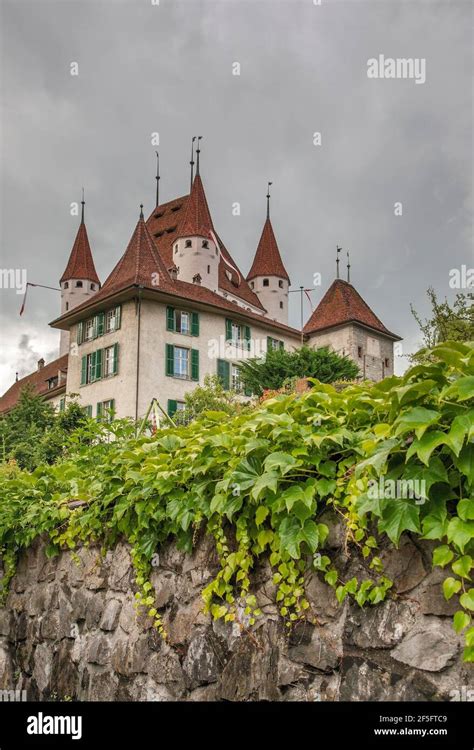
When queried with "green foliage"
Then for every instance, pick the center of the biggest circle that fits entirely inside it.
(211, 396)
(281, 366)
(447, 322)
(259, 481)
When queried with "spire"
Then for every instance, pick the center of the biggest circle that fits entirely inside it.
(198, 151)
(267, 260)
(338, 250)
(197, 218)
(348, 268)
(83, 203)
(192, 162)
(268, 199)
(157, 178)
(141, 211)
(81, 264)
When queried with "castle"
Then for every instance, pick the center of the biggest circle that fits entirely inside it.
(176, 308)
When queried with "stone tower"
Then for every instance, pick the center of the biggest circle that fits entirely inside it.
(79, 280)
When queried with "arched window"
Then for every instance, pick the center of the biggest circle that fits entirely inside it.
(266, 282)
(66, 284)
(205, 243)
(280, 284)
(188, 243)
(79, 283)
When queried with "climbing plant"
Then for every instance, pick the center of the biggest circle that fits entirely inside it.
(389, 458)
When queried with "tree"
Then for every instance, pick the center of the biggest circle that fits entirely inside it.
(209, 397)
(280, 366)
(447, 322)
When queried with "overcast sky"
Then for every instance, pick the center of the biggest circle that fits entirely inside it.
(168, 68)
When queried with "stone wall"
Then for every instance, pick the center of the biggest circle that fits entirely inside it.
(69, 630)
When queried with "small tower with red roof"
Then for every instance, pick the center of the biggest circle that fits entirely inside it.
(268, 277)
(79, 280)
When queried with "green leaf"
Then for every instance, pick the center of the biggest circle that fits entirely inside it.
(399, 516)
(463, 566)
(425, 446)
(325, 487)
(460, 620)
(460, 532)
(451, 586)
(310, 535)
(462, 427)
(465, 509)
(465, 462)
(289, 532)
(279, 460)
(463, 388)
(417, 420)
(467, 600)
(442, 555)
(261, 514)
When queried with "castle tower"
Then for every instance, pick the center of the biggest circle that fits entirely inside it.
(195, 252)
(79, 281)
(268, 277)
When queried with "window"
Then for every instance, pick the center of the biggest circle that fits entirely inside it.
(182, 362)
(359, 351)
(235, 381)
(62, 403)
(88, 410)
(205, 244)
(106, 410)
(266, 282)
(252, 284)
(67, 305)
(209, 269)
(66, 284)
(103, 322)
(274, 343)
(175, 406)
(89, 332)
(52, 382)
(109, 361)
(79, 284)
(93, 287)
(176, 249)
(387, 362)
(182, 321)
(237, 333)
(280, 284)
(281, 305)
(188, 243)
(99, 364)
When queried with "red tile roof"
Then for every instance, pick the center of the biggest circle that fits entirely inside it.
(267, 261)
(140, 264)
(343, 304)
(80, 264)
(37, 381)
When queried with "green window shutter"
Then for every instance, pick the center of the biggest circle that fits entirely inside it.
(99, 356)
(112, 408)
(172, 406)
(93, 360)
(80, 332)
(116, 356)
(94, 327)
(99, 410)
(228, 329)
(247, 336)
(169, 359)
(62, 404)
(84, 370)
(223, 373)
(194, 364)
(118, 316)
(88, 410)
(195, 324)
(100, 324)
(269, 343)
(281, 344)
(170, 319)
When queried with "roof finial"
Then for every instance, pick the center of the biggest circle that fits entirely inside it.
(338, 250)
(192, 161)
(198, 151)
(141, 211)
(157, 179)
(83, 203)
(268, 199)
(16, 377)
(348, 268)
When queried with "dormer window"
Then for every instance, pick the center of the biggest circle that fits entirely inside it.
(188, 243)
(79, 284)
(159, 215)
(197, 278)
(266, 282)
(205, 244)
